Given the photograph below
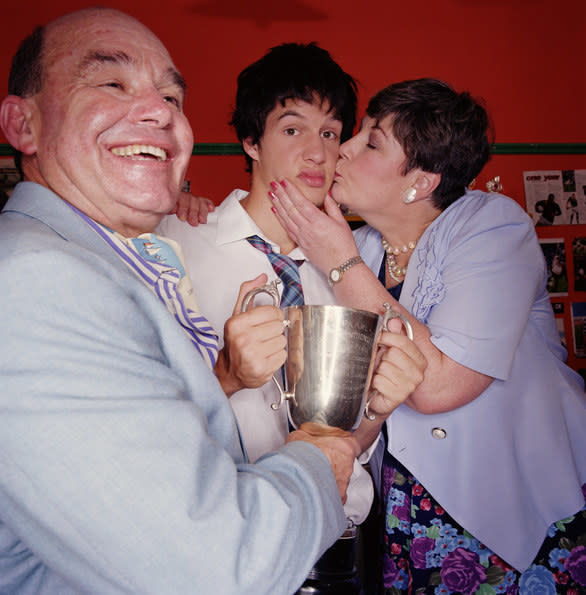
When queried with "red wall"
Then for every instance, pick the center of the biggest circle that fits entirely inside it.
(527, 58)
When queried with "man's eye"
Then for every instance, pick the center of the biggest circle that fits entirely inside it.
(172, 100)
(291, 131)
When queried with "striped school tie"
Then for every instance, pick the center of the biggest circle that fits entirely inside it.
(286, 268)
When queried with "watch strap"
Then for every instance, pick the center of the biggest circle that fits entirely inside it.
(337, 273)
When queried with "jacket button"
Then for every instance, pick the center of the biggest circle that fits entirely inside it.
(439, 433)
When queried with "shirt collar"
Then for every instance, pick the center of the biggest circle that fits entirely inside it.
(235, 224)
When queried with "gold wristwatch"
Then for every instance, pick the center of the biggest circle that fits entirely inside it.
(337, 273)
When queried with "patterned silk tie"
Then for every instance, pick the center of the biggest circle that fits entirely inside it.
(158, 262)
(286, 268)
(173, 287)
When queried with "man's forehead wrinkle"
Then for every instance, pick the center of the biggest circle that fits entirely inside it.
(98, 57)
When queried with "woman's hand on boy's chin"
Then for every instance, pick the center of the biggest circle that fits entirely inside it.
(324, 235)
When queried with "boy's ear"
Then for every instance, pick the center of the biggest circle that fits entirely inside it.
(15, 118)
(250, 149)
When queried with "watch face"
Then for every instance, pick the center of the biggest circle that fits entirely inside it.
(335, 275)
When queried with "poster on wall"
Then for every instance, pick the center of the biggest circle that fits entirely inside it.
(559, 322)
(9, 176)
(579, 253)
(579, 328)
(555, 256)
(556, 197)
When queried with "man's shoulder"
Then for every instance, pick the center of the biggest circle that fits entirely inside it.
(36, 220)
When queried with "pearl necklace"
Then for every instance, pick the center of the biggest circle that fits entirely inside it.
(396, 272)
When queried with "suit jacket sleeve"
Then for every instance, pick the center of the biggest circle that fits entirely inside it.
(120, 463)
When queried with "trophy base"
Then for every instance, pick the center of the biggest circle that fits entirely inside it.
(335, 572)
(326, 586)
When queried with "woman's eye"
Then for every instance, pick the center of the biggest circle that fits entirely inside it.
(113, 84)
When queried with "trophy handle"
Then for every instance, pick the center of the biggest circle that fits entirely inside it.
(272, 290)
(392, 314)
(389, 314)
(269, 288)
(284, 396)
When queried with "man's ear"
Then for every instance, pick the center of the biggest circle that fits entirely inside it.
(250, 149)
(15, 118)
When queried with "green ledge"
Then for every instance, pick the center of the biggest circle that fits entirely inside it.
(217, 149)
(539, 148)
(497, 149)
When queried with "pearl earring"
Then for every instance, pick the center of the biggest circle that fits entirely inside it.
(409, 195)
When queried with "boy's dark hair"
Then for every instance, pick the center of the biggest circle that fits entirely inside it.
(26, 72)
(440, 131)
(291, 71)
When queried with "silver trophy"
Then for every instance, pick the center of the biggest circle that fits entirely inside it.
(331, 352)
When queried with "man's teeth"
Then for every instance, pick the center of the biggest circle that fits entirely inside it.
(141, 152)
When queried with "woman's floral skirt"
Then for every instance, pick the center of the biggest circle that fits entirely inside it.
(426, 551)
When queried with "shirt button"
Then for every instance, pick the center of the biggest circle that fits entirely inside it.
(439, 433)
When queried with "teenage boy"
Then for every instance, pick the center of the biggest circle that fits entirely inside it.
(294, 107)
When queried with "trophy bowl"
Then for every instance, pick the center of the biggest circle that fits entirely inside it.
(331, 352)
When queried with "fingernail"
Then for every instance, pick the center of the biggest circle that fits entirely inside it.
(273, 186)
(274, 210)
(273, 197)
(283, 183)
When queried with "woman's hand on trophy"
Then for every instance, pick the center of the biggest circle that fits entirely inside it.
(399, 370)
(254, 344)
(339, 446)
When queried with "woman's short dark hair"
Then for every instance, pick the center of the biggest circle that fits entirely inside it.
(440, 131)
(291, 71)
(26, 72)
